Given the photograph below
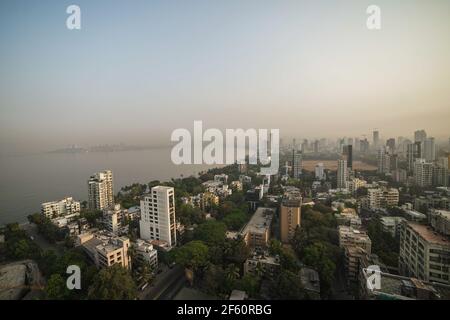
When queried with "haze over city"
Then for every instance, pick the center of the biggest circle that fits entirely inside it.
(133, 74)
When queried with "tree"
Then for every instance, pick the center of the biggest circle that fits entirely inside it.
(286, 286)
(193, 255)
(211, 232)
(113, 283)
(235, 220)
(56, 288)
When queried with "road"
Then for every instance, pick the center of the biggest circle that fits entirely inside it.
(163, 283)
(32, 231)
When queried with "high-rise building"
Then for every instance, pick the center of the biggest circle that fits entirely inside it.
(420, 136)
(384, 161)
(320, 171)
(342, 174)
(290, 215)
(348, 154)
(376, 138)
(296, 164)
(100, 190)
(429, 152)
(413, 152)
(364, 146)
(440, 173)
(424, 253)
(390, 143)
(423, 173)
(66, 206)
(158, 215)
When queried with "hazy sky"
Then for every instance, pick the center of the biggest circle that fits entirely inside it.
(139, 69)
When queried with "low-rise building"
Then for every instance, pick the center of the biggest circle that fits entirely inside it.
(256, 233)
(146, 253)
(392, 225)
(349, 236)
(66, 206)
(106, 249)
(440, 221)
(262, 264)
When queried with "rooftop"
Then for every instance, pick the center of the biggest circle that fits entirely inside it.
(260, 221)
(427, 233)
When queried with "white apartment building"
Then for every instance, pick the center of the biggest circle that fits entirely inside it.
(297, 164)
(100, 190)
(158, 215)
(320, 171)
(342, 174)
(146, 253)
(64, 207)
(423, 173)
(424, 253)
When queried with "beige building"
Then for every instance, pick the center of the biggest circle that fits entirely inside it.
(64, 207)
(290, 215)
(263, 263)
(105, 249)
(101, 190)
(349, 236)
(381, 198)
(424, 253)
(256, 233)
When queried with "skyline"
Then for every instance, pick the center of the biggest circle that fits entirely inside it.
(133, 74)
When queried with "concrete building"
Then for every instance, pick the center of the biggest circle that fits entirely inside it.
(342, 174)
(105, 249)
(381, 198)
(290, 215)
(413, 152)
(384, 161)
(146, 253)
(349, 236)
(429, 149)
(354, 184)
(424, 253)
(296, 164)
(262, 263)
(256, 233)
(423, 173)
(392, 225)
(64, 207)
(158, 215)
(440, 221)
(101, 190)
(319, 171)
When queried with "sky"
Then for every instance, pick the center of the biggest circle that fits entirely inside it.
(137, 70)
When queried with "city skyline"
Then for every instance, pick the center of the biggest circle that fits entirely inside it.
(133, 74)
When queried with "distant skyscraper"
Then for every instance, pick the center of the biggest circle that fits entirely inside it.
(364, 146)
(319, 171)
(296, 164)
(413, 152)
(384, 161)
(316, 146)
(158, 215)
(391, 144)
(348, 154)
(420, 136)
(342, 174)
(101, 190)
(429, 149)
(376, 138)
